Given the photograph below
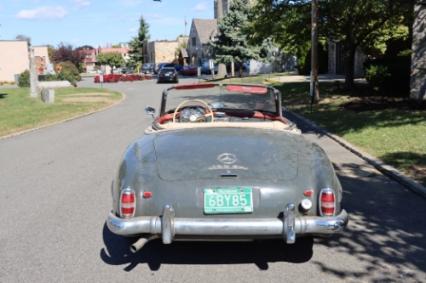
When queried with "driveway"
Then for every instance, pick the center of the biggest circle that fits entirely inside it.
(55, 195)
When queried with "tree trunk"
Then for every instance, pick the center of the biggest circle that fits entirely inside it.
(349, 67)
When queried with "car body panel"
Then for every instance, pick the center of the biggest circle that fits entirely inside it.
(176, 165)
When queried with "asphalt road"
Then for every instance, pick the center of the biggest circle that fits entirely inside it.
(55, 195)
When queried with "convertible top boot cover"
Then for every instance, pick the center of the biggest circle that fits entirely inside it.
(193, 154)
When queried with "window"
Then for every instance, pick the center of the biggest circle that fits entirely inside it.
(194, 41)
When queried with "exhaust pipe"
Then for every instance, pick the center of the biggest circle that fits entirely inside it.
(139, 244)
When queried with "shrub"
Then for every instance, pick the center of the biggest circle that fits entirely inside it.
(304, 63)
(47, 78)
(69, 72)
(377, 76)
(392, 78)
(24, 79)
(113, 78)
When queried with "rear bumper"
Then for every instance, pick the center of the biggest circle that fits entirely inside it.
(167, 80)
(170, 227)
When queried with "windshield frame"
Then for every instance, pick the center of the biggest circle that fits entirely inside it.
(276, 93)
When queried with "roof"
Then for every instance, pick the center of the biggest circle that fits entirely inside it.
(206, 29)
(121, 50)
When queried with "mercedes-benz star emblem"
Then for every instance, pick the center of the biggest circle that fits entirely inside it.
(227, 158)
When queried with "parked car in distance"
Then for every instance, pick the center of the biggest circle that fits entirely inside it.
(189, 71)
(167, 75)
(158, 67)
(221, 163)
(173, 65)
(205, 68)
(148, 68)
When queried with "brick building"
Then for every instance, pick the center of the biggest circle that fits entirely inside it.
(89, 58)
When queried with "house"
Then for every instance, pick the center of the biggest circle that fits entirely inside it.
(14, 59)
(336, 62)
(88, 53)
(122, 49)
(42, 60)
(204, 30)
(167, 51)
(201, 33)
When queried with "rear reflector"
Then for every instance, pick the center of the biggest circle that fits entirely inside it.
(327, 202)
(147, 194)
(308, 193)
(127, 203)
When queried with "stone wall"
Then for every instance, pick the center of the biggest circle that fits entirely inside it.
(418, 60)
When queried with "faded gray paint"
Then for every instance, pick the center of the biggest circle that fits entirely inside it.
(157, 163)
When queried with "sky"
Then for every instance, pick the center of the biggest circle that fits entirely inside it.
(96, 22)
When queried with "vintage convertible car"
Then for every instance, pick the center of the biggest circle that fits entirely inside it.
(220, 162)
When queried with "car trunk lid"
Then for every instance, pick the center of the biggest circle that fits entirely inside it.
(197, 154)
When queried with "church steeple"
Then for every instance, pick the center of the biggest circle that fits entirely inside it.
(221, 8)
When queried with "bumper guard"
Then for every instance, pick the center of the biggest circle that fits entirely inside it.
(168, 225)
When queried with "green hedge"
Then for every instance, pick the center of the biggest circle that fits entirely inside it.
(24, 79)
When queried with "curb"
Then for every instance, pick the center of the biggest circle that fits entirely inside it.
(386, 169)
(123, 97)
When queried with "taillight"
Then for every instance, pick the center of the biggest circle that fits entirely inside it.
(327, 202)
(127, 203)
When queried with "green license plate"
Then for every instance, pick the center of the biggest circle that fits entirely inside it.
(228, 200)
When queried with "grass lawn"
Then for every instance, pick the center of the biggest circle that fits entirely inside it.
(393, 130)
(18, 111)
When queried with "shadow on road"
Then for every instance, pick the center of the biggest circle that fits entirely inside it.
(386, 231)
(116, 252)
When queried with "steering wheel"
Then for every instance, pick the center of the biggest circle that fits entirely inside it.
(208, 111)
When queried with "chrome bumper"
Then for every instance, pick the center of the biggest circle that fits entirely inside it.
(168, 226)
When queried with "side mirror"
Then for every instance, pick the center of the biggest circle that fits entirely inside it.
(150, 111)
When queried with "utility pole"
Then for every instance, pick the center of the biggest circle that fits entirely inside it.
(314, 86)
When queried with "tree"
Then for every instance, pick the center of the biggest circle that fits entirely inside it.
(357, 24)
(361, 23)
(138, 42)
(286, 23)
(232, 41)
(112, 59)
(66, 52)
